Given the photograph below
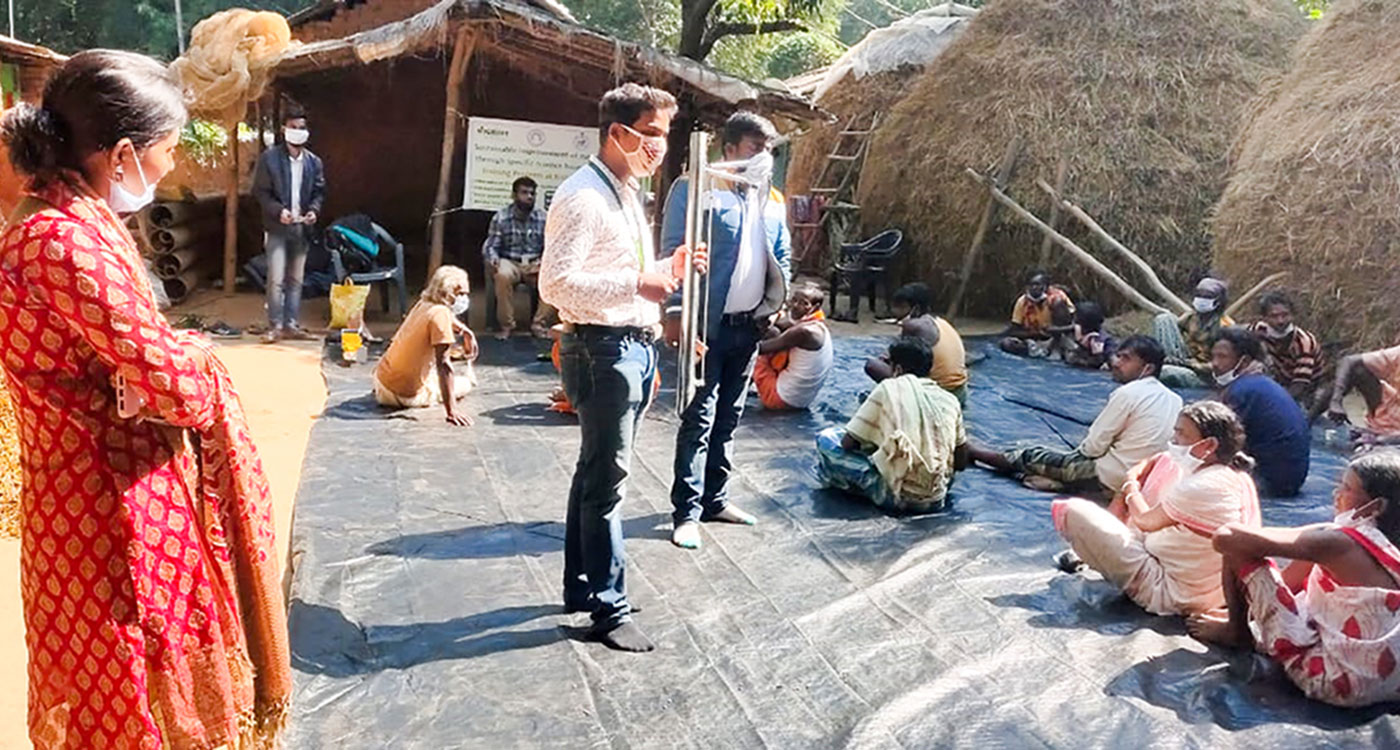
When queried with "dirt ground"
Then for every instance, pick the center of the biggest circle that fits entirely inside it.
(283, 393)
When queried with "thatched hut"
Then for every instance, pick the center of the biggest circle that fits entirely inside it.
(871, 77)
(1315, 185)
(1141, 98)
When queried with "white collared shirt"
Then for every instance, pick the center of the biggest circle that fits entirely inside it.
(298, 169)
(749, 281)
(1135, 425)
(596, 243)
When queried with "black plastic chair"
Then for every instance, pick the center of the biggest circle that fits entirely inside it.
(861, 267)
(393, 276)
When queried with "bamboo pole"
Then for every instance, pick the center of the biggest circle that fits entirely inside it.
(1098, 231)
(1079, 253)
(1061, 173)
(231, 216)
(1005, 168)
(451, 120)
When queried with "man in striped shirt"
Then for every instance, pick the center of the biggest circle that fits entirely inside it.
(1295, 356)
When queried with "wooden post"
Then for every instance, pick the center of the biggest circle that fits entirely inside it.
(231, 216)
(1061, 172)
(1079, 253)
(1093, 226)
(1005, 169)
(451, 121)
(1239, 304)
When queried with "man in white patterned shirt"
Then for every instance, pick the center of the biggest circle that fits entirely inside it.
(600, 271)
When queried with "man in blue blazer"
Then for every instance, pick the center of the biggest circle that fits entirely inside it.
(748, 279)
(290, 185)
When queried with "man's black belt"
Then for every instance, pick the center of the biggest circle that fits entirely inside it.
(738, 320)
(586, 330)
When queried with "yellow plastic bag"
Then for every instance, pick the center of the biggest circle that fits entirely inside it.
(348, 304)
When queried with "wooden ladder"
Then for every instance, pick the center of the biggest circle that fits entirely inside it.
(840, 175)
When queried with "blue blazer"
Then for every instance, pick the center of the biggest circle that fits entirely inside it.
(726, 234)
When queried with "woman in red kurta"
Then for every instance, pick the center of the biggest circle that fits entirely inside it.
(152, 607)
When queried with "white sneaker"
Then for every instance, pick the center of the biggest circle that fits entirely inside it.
(686, 535)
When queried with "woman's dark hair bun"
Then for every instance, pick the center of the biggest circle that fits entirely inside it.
(34, 137)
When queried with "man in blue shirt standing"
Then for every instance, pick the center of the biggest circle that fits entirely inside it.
(1276, 429)
(749, 272)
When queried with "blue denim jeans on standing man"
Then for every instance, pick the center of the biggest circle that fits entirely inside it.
(608, 379)
(705, 440)
(286, 267)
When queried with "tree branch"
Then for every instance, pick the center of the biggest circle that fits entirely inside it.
(722, 29)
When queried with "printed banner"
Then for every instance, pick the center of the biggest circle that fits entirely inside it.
(499, 151)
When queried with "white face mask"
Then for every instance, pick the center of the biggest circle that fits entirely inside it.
(124, 201)
(296, 136)
(1203, 305)
(1226, 378)
(1350, 519)
(1181, 454)
(461, 303)
(1278, 333)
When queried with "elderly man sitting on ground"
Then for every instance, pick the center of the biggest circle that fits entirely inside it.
(416, 370)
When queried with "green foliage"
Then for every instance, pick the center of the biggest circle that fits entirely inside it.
(142, 25)
(204, 141)
(653, 22)
(801, 52)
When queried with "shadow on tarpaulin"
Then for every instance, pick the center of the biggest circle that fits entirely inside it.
(426, 575)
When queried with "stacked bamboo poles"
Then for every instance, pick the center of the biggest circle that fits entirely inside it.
(184, 236)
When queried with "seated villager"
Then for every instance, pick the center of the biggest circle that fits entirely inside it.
(1041, 313)
(1187, 342)
(796, 355)
(1088, 345)
(1277, 428)
(1295, 356)
(903, 445)
(514, 245)
(1331, 617)
(913, 305)
(1154, 540)
(1376, 377)
(1135, 425)
(416, 370)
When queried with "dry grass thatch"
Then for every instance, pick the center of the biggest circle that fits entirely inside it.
(1142, 97)
(10, 472)
(873, 93)
(1315, 188)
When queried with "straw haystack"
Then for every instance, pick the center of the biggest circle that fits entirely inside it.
(870, 77)
(1141, 97)
(1315, 188)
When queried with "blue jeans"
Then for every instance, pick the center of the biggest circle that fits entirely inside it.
(705, 440)
(608, 378)
(286, 267)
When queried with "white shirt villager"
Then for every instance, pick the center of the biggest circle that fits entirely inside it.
(298, 169)
(1134, 426)
(596, 243)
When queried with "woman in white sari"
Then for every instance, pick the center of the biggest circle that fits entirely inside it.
(1153, 542)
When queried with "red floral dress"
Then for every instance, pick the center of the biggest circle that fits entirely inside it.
(147, 543)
